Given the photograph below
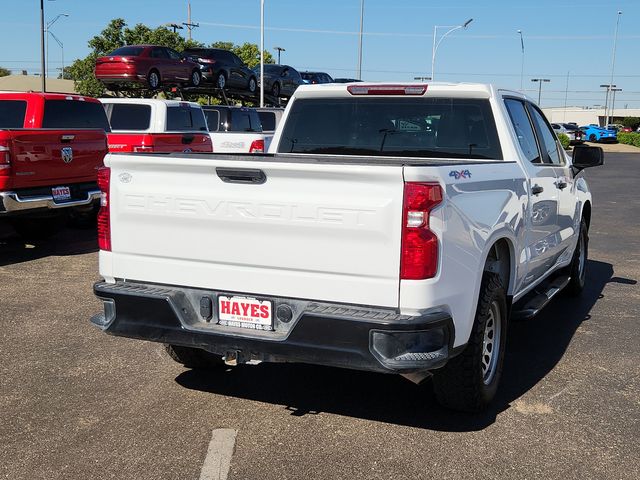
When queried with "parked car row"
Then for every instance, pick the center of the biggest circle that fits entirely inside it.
(154, 67)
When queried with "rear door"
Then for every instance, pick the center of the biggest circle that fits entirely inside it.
(285, 228)
(543, 240)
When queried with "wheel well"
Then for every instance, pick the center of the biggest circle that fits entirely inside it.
(586, 213)
(499, 261)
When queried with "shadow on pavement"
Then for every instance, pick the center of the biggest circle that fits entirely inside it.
(70, 241)
(533, 349)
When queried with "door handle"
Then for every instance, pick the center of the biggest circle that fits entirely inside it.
(561, 184)
(248, 176)
(537, 189)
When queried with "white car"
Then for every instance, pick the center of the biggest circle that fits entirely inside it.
(235, 129)
(396, 228)
(572, 131)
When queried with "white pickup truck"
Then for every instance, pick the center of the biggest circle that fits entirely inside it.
(394, 228)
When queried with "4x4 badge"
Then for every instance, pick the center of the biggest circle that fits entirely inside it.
(67, 154)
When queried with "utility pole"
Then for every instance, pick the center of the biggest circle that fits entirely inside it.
(360, 42)
(279, 49)
(522, 60)
(189, 24)
(174, 26)
(42, 65)
(540, 82)
(613, 63)
(613, 103)
(609, 87)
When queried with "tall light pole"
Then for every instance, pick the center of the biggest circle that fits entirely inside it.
(43, 75)
(49, 32)
(540, 82)
(613, 63)
(61, 45)
(360, 42)
(609, 87)
(522, 61)
(613, 103)
(436, 45)
(261, 53)
(279, 49)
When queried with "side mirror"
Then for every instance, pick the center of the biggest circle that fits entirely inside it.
(585, 157)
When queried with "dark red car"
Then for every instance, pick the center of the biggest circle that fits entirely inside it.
(150, 65)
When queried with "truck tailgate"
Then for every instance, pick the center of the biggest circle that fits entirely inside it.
(326, 232)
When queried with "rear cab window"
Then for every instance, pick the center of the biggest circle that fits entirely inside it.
(12, 113)
(123, 116)
(410, 127)
(268, 121)
(74, 114)
(245, 121)
(185, 118)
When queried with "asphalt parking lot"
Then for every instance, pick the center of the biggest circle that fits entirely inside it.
(78, 404)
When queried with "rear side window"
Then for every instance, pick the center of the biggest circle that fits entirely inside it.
(74, 114)
(213, 119)
(245, 121)
(410, 127)
(524, 130)
(128, 117)
(268, 121)
(180, 119)
(127, 51)
(12, 113)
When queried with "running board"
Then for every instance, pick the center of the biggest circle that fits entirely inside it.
(538, 300)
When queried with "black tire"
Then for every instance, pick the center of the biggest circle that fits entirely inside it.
(193, 357)
(221, 81)
(153, 79)
(196, 79)
(38, 228)
(578, 267)
(464, 383)
(252, 86)
(592, 137)
(84, 218)
(275, 90)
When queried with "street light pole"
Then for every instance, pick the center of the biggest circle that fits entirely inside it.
(613, 63)
(436, 45)
(540, 82)
(522, 61)
(43, 75)
(608, 86)
(279, 49)
(48, 32)
(613, 103)
(360, 41)
(261, 53)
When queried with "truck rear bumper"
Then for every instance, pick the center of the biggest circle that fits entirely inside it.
(357, 337)
(11, 202)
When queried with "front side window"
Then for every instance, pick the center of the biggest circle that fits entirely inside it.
(413, 127)
(523, 128)
(548, 143)
(173, 55)
(159, 53)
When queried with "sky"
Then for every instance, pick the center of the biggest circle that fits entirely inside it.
(569, 42)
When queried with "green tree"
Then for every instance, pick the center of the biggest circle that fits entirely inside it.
(4, 72)
(115, 35)
(631, 122)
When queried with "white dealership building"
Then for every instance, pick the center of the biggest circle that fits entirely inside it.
(585, 116)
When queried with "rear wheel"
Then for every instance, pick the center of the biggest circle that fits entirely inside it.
(469, 382)
(578, 266)
(193, 357)
(592, 137)
(221, 81)
(154, 80)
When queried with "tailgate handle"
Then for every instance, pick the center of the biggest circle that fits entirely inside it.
(67, 138)
(241, 175)
(187, 139)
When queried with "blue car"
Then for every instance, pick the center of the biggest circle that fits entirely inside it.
(594, 133)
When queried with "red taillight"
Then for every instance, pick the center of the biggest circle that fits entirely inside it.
(419, 255)
(257, 146)
(104, 217)
(5, 161)
(387, 89)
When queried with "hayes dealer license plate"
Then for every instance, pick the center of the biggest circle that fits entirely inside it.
(245, 312)
(60, 194)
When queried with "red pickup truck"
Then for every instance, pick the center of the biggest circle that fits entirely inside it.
(51, 146)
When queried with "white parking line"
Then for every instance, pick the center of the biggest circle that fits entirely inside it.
(218, 460)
